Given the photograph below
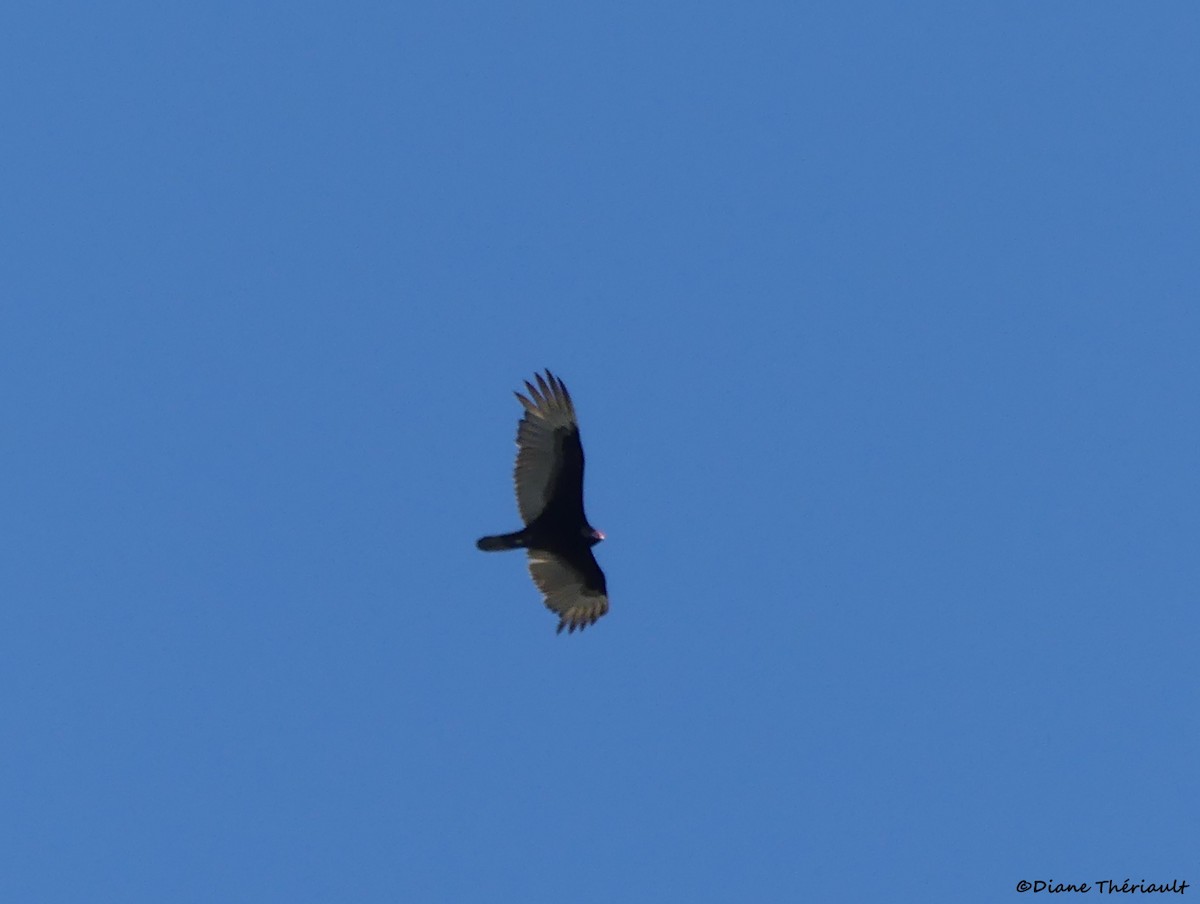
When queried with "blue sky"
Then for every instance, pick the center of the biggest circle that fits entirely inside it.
(882, 325)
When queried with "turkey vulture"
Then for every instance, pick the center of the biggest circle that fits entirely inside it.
(556, 536)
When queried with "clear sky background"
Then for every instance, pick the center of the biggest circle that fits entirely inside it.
(883, 324)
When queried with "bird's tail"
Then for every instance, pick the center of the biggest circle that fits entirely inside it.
(501, 541)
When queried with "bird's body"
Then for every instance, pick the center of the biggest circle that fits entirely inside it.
(549, 484)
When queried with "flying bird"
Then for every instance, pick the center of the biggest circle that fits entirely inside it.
(549, 480)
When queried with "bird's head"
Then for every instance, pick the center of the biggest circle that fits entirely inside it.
(592, 535)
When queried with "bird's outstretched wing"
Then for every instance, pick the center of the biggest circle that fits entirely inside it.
(574, 587)
(549, 455)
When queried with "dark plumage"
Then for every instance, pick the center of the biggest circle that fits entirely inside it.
(549, 480)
